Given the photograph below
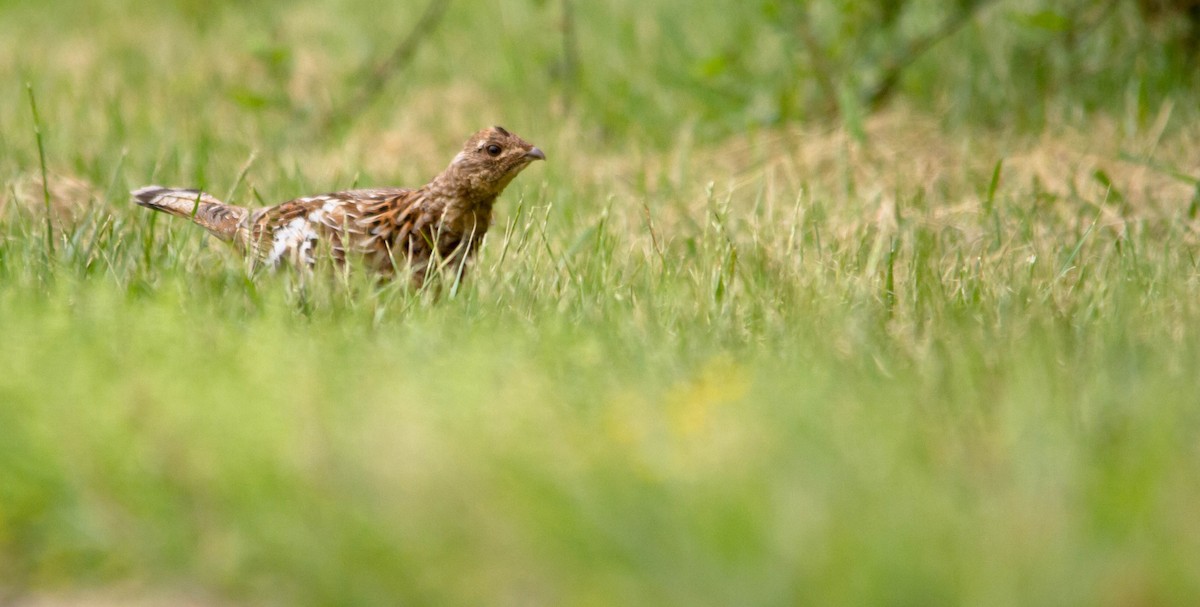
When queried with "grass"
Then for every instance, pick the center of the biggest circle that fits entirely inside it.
(912, 361)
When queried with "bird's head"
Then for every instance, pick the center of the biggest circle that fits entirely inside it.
(489, 160)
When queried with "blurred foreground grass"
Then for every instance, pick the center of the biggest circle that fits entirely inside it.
(900, 362)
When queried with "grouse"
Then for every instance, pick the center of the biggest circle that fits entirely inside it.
(439, 225)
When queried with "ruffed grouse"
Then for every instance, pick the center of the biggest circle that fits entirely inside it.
(440, 224)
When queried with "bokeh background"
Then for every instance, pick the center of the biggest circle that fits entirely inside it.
(812, 303)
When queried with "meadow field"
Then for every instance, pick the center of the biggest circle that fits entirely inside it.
(746, 338)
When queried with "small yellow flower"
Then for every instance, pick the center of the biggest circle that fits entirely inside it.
(690, 404)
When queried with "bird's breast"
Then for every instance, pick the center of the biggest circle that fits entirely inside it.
(467, 218)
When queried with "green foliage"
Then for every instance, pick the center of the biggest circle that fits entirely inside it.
(691, 366)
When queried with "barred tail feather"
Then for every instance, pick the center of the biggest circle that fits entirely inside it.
(221, 219)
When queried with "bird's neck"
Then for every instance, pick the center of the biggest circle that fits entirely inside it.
(455, 187)
(465, 204)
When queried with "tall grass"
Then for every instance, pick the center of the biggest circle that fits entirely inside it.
(694, 364)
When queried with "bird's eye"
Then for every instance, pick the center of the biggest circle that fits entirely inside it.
(493, 150)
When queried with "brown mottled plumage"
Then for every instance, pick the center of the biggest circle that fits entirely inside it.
(442, 222)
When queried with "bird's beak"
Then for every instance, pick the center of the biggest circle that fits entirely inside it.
(535, 154)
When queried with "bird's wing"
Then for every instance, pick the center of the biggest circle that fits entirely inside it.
(364, 222)
(392, 219)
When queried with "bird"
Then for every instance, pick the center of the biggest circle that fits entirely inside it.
(436, 227)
